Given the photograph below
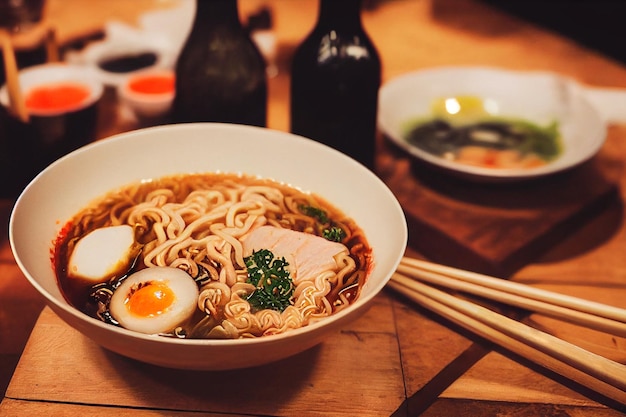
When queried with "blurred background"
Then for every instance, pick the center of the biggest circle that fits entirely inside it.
(596, 24)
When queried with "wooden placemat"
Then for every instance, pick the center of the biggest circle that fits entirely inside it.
(495, 228)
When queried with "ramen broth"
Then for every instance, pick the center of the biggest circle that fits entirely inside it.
(469, 130)
(202, 224)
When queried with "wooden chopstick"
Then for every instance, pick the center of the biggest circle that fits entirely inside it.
(16, 102)
(586, 368)
(593, 315)
(52, 45)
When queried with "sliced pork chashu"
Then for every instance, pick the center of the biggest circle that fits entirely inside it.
(307, 255)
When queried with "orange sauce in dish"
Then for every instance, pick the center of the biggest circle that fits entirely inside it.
(56, 97)
(152, 84)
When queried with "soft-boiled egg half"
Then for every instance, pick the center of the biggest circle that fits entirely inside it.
(103, 254)
(154, 300)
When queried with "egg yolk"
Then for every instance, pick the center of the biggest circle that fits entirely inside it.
(462, 108)
(151, 299)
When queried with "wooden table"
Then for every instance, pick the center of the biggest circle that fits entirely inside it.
(398, 359)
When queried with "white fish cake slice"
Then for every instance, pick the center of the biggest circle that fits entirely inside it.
(103, 253)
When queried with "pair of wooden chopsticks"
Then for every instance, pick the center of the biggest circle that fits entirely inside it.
(598, 373)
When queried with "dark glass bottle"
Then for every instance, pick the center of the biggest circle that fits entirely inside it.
(220, 73)
(336, 75)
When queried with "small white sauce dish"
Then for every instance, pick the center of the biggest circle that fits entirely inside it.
(162, 32)
(536, 96)
(56, 73)
(148, 94)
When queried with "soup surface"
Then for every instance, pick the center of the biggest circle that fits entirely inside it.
(211, 256)
(464, 130)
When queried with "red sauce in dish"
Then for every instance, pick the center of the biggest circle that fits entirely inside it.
(56, 97)
(152, 84)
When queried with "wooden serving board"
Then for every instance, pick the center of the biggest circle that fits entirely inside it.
(496, 228)
(366, 369)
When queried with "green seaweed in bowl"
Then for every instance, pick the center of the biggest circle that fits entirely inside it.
(465, 130)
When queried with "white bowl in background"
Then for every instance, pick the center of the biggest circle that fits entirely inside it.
(536, 96)
(72, 182)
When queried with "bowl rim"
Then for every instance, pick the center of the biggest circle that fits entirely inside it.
(362, 301)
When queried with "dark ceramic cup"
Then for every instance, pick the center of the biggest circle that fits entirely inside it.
(26, 148)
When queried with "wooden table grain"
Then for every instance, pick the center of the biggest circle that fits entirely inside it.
(398, 359)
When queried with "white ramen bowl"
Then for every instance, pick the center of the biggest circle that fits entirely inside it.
(72, 182)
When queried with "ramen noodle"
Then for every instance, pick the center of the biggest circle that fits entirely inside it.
(211, 256)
